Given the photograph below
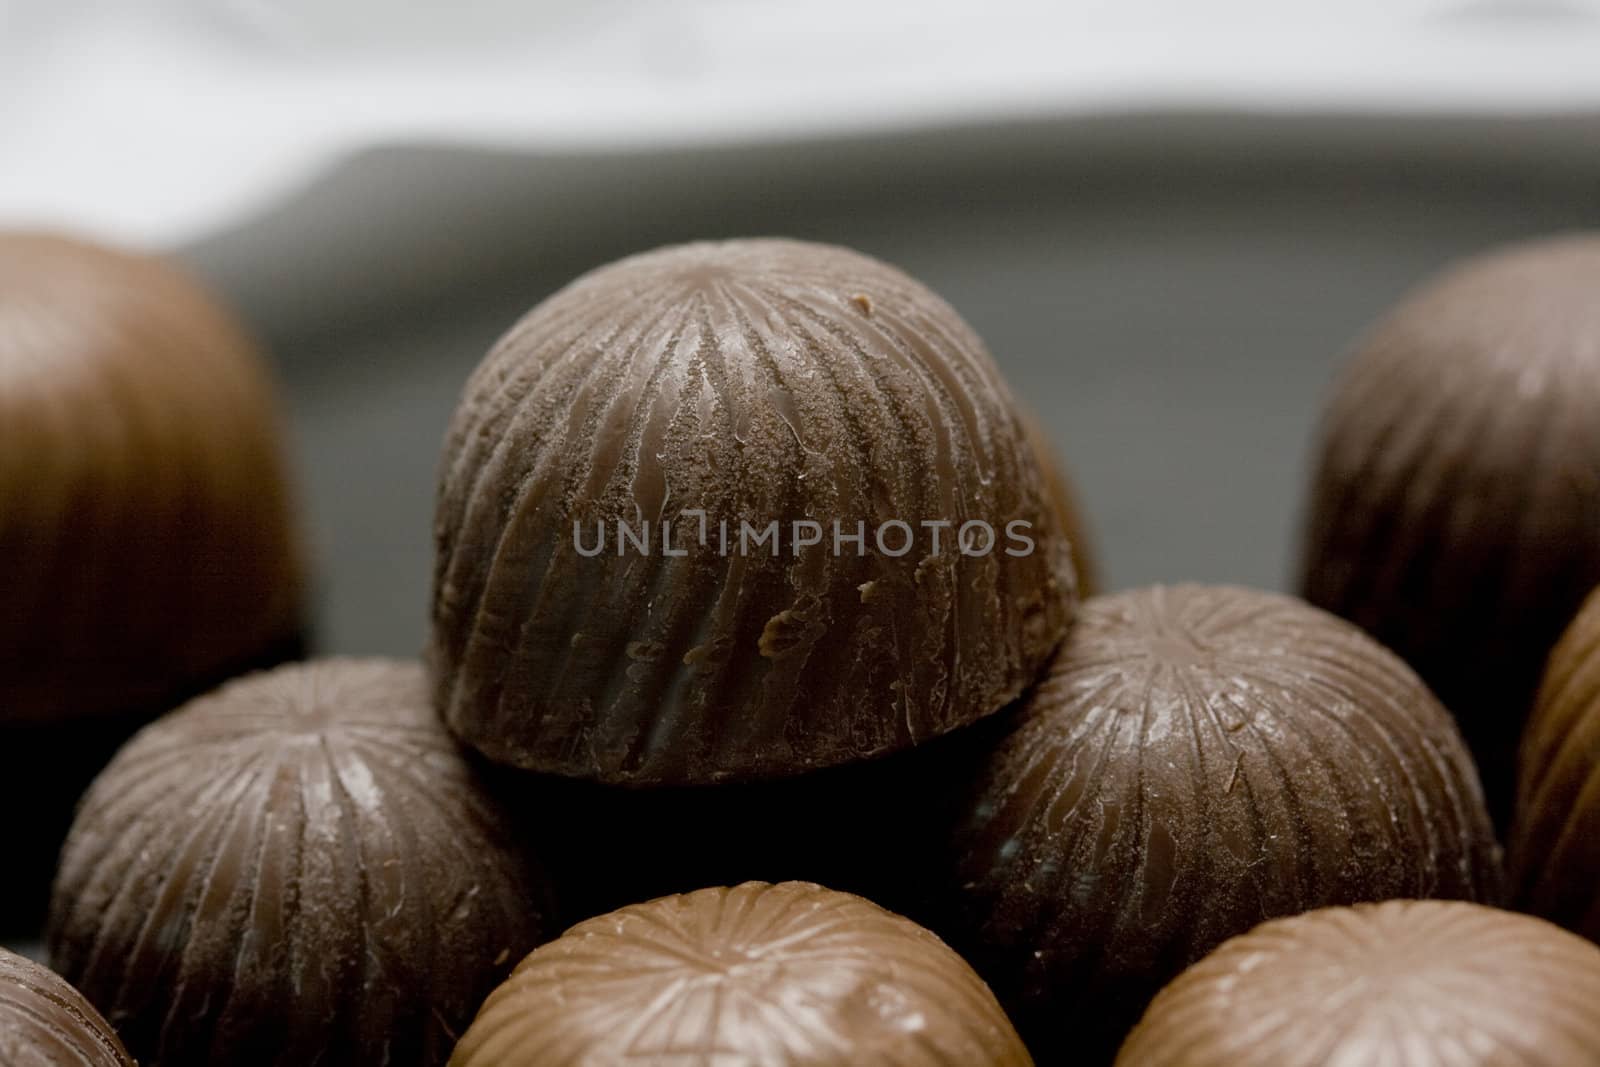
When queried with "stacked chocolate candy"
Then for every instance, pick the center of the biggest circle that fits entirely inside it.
(754, 578)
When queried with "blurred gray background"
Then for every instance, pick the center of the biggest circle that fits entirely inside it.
(1171, 292)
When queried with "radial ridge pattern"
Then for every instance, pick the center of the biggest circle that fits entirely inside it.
(298, 868)
(781, 975)
(1398, 984)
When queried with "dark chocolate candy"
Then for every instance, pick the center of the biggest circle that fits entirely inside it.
(758, 382)
(300, 867)
(146, 540)
(1196, 759)
(1555, 840)
(786, 975)
(1399, 984)
(1455, 512)
(44, 1022)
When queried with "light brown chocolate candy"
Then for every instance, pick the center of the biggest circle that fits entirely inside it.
(1555, 841)
(787, 975)
(146, 536)
(1399, 984)
(44, 1022)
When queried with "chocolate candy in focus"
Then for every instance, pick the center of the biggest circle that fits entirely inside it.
(44, 1022)
(787, 975)
(1403, 983)
(1195, 759)
(738, 510)
(300, 867)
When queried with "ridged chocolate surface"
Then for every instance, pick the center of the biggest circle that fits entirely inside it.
(754, 380)
(1555, 842)
(145, 523)
(1400, 984)
(299, 868)
(788, 975)
(44, 1022)
(1197, 759)
(1455, 513)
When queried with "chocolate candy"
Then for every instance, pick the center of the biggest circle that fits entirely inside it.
(300, 867)
(738, 510)
(146, 542)
(1399, 984)
(1455, 513)
(1198, 758)
(1555, 842)
(781, 975)
(147, 547)
(44, 1022)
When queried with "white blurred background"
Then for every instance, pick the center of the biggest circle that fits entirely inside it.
(1167, 218)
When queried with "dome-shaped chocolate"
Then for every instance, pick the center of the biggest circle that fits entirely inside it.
(297, 868)
(1196, 759)
(757, 396)
(788, 975)
(146, 542)
(1555, 841)
(1455, 513)
(44, 1022)
(1406, 983)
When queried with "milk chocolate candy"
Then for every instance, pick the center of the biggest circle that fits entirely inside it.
(147, 543)
(44, 1022)
(1455, 512)
(738, 510)
(300, 867)
(1399, 984)
(788, 975)
(1555, 840)
(1198, 758)
(146, 535)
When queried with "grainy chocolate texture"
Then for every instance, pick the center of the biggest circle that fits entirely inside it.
(757, 381)
(788, 975)
(1555, 842)
(146, 541)
(1455, 512)
(1400, 984)
(299, 868)
(1197, 759)
(44, 1022)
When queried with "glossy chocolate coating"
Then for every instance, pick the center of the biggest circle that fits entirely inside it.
(1455, 513)
(756, 381)
(44, 1022)
(1196, 759)
(300, 867)
(786, 975)
(1405, 983)
(146, 535)
(1555, 841)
